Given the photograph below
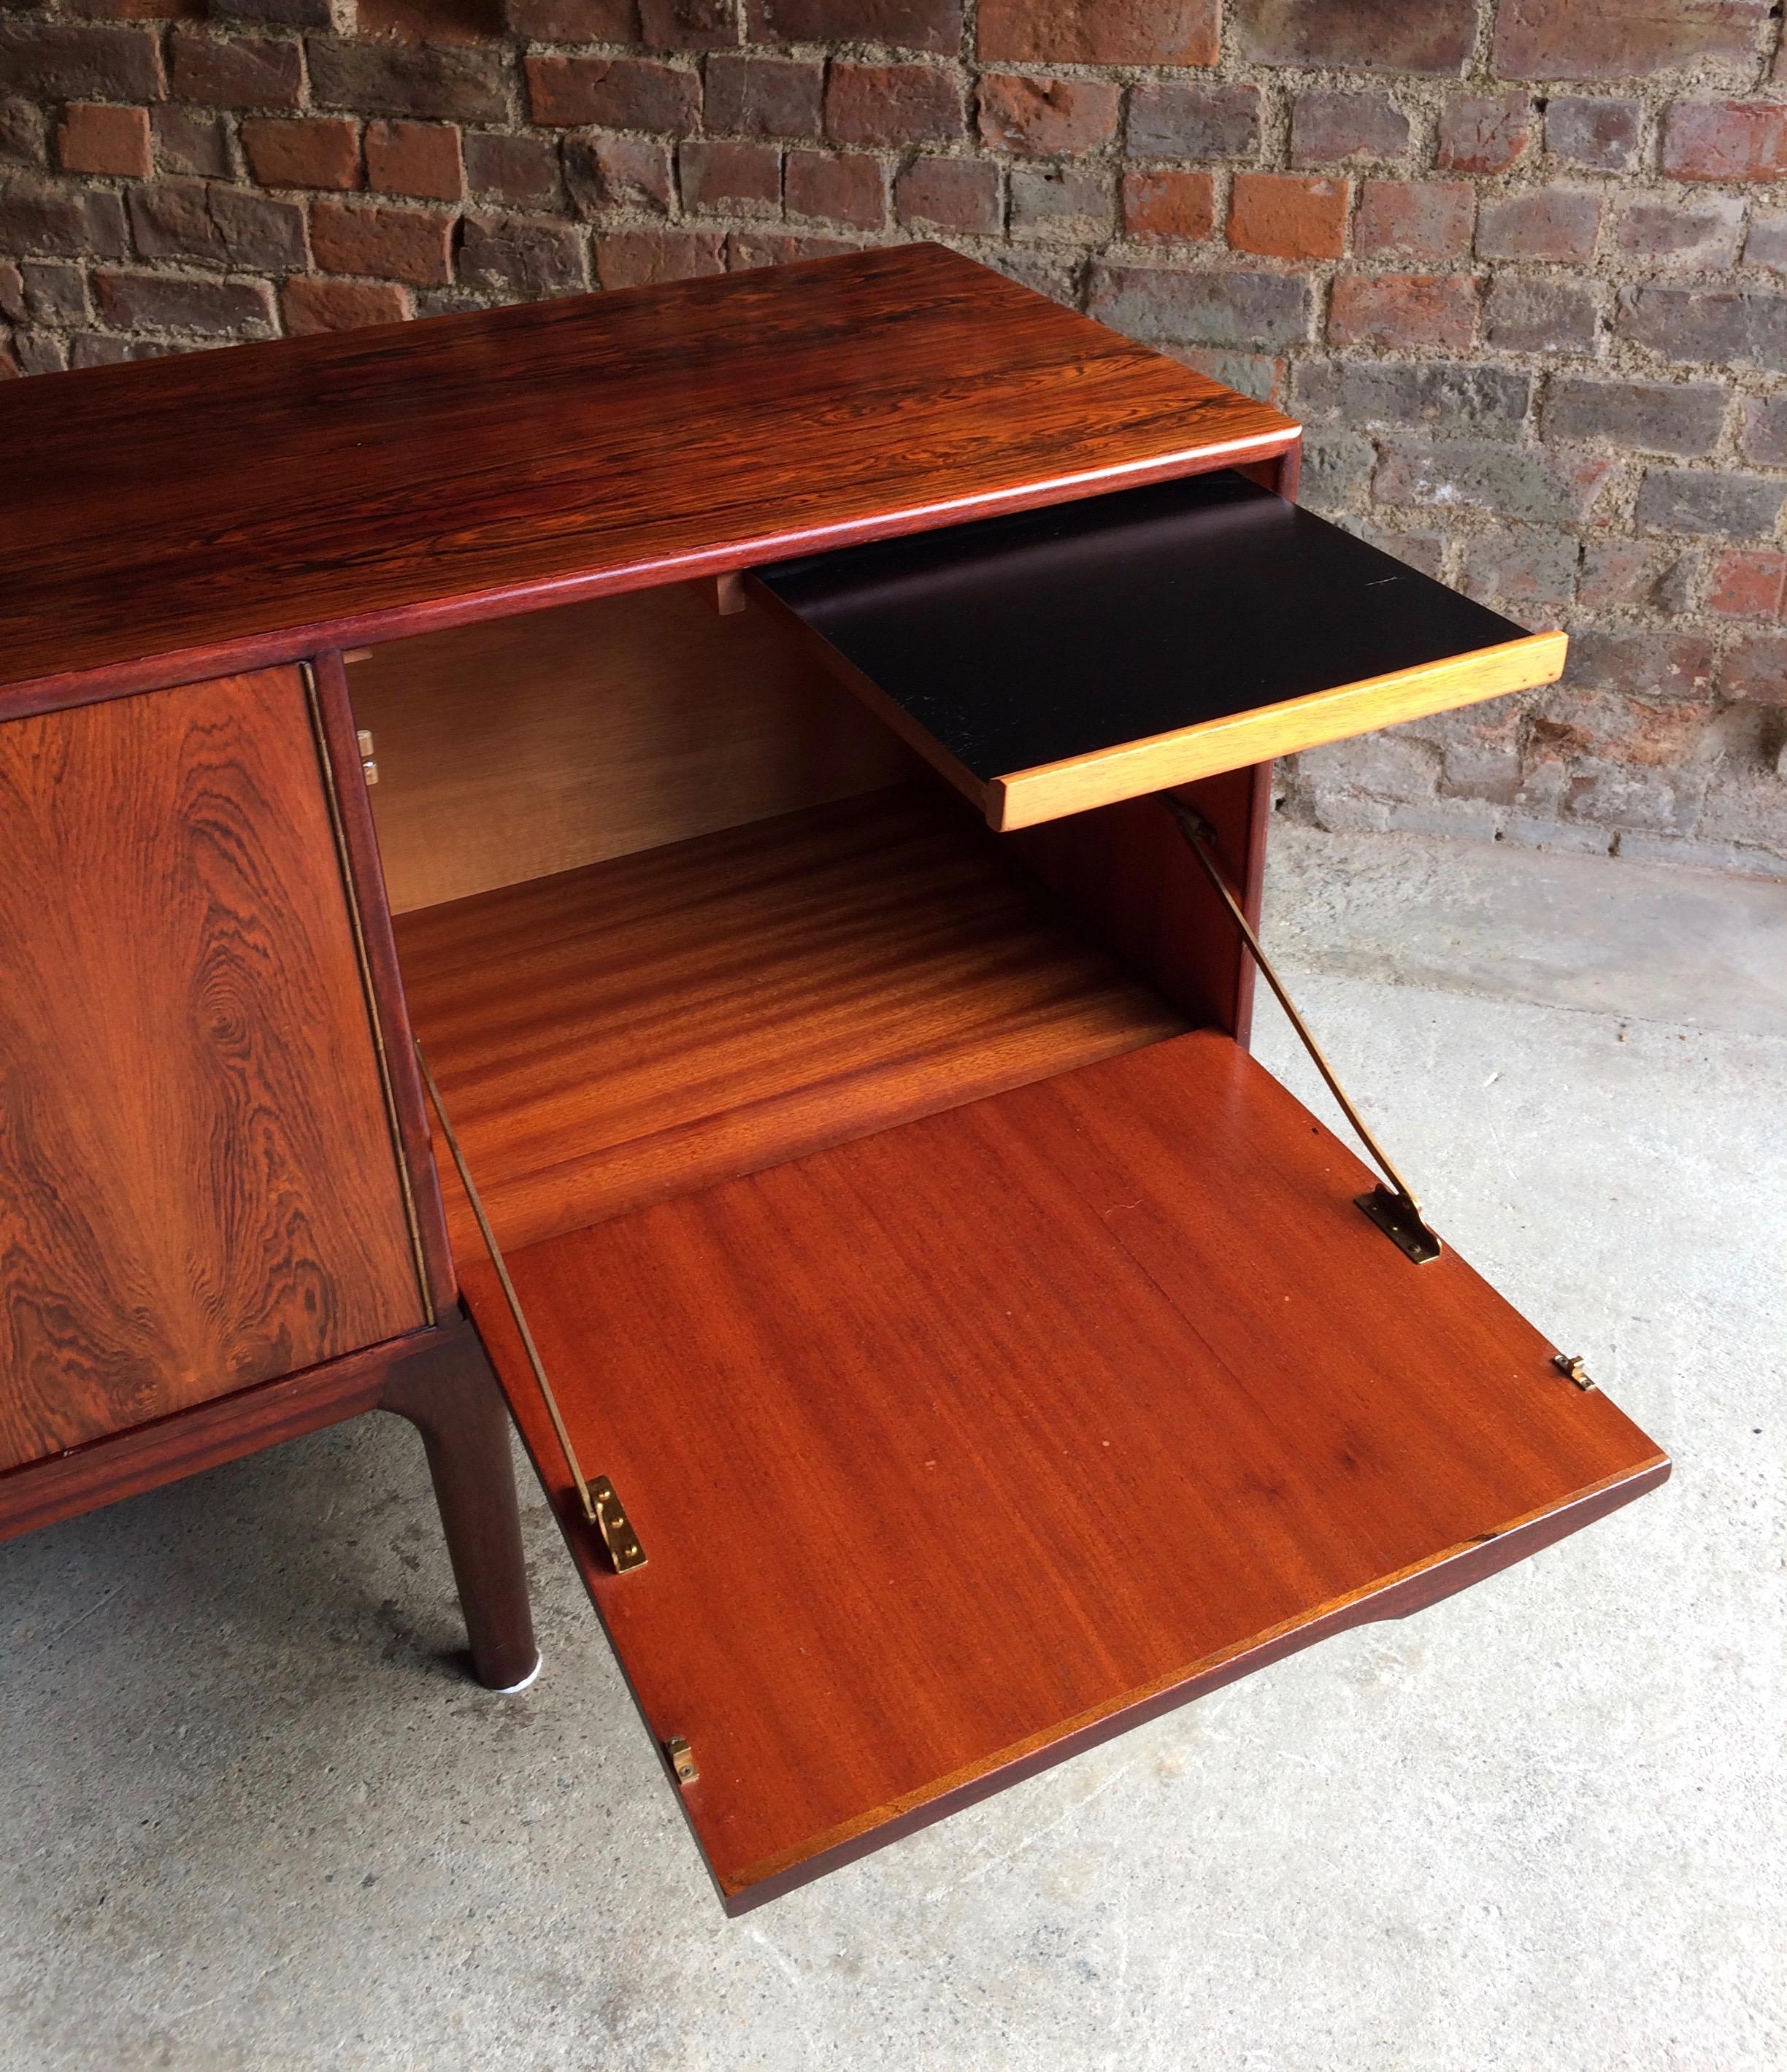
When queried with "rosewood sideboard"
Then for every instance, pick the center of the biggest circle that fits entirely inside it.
(683, 863)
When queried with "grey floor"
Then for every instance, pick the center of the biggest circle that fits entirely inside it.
(252, 1815)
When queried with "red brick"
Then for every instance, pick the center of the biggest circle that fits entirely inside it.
(221, 226)
(740, 178)
(1415, 218)
(688, 24)
(901, 104)
(521, 169)
(621, 93)
(1403, 309)
(187, 141)
(1597, 133)
(1534, 313)
(960, 194)
(1614, 39)
(1549, 223)
(42, 215)
(574, 21)
(104, 140)
(520, 258)
(1329, 128)
(438, 82)
(912, 25)
(1702, 233)
(317, 151)
(418, 159)
(1050, 118)
(413, 244)
(1385, 35)
(634, 258)
(170, 301)
(1281, 216)
(1107, 32)
(1749, 583)
(1726, 140)
(242, 72)
(765, 96)
(841, 187)
(1480, 134)
(1755, 670)
(1172, 207)
(747, 249)
(617, 172)
(80, 60)
(309, 306)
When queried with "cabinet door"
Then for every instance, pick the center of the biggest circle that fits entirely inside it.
(199, 1188)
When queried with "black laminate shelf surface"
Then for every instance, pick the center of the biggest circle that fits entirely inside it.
(1014, 642)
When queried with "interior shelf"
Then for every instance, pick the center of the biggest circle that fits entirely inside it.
(961, 1444)
(616, 1034)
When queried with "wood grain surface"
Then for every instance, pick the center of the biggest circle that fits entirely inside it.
(617, 1034)
(357, 485)
(532, 746)
(955, 1444)
(198, 1186)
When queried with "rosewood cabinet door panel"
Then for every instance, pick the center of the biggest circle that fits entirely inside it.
(197, 1187)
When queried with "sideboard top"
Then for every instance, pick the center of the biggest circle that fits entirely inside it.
(174, 517)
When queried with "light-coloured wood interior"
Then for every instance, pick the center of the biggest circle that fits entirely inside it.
(1131, 770)
(525, 746)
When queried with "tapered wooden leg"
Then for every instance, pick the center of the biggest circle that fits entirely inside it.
(454, 1401)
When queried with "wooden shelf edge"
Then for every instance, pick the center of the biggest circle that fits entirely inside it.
(1135, 768)
(1427, 1584)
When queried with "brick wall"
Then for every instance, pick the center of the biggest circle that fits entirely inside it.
(1520, 265)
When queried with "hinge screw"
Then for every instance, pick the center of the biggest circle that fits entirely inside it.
(1570, 1365)
(681, 1759)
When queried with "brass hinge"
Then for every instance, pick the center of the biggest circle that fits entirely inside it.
(1570, 1365)
(1394, 1208)
(681, 1759)
(602, 1508)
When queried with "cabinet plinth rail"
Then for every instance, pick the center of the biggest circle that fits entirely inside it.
(1394, 1208)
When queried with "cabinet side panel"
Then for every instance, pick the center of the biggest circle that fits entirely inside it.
(198, 1186)
(1125, 872)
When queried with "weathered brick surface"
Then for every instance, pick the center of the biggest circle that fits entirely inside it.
(1179, 207)
(317, 151)
(1115, 32)
(1051, 117)
(1600, 134)
(1330, 129)
(1395, 35)
(959, 195)
(1281, 216)
(1650, 416)
(892, 105)
(97, 139)
(423, 159)
(1520, 266)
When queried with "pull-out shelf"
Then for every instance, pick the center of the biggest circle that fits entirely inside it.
(1068, 658)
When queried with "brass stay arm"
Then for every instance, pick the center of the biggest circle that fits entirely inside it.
(602, 1508)
(1394, 1209)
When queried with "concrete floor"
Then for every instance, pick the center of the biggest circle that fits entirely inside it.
(254, 1817)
